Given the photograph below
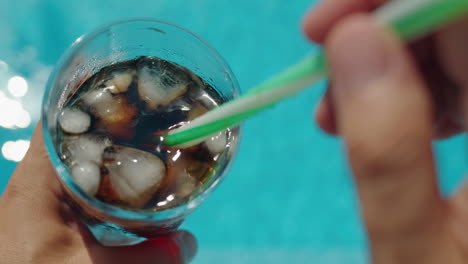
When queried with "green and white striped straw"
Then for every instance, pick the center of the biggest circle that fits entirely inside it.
(410, 19)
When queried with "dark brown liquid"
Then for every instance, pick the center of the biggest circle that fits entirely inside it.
(134, 117)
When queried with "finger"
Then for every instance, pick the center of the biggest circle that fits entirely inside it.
(459, 206)
(176, 248)
(325, 116)
(452, 43)
(444, 93)
(33, 202)
(445, 127)
(444, 90)
(318, 22)
(383, 111)
(34, 180)
(458, 219)
(465, 110)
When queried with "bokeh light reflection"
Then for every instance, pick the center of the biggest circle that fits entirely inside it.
(12, 113)
(15, 150)
(17, 86)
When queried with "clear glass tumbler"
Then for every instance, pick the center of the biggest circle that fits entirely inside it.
(115, 42)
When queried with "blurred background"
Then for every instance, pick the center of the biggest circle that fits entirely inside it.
(283, 201)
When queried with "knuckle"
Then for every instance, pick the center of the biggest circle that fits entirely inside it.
(374, 160)
(367, 158)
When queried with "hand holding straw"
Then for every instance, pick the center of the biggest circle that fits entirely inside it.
(410, 19)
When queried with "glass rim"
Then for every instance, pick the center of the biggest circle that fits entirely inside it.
(62, 170)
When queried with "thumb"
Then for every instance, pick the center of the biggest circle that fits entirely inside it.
(34, 184)
(383, 112)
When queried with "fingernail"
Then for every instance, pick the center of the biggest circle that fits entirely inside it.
(187, 244)
(359, 54)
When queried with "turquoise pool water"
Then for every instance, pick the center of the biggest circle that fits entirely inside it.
(283, 202)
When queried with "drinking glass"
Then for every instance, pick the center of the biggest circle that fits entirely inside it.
(112, 43)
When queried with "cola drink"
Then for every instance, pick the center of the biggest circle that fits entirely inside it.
(108, 135)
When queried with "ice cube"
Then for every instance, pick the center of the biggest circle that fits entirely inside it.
(196, 111)
(166, 117)
(161, 82)
(217, 142)
(109, 108)
(184, 183)
(119, 82)
(87, 175)
(135, 175)
(203, 96)
(116, 110)
(84, 148)
(197, 80)
(98, 96)
(177, 105)
(184, 173)
(74, 121)
(116, 117)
